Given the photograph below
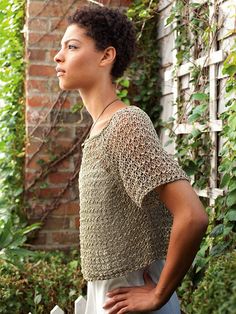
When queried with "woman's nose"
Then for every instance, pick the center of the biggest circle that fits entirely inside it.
(58, 57)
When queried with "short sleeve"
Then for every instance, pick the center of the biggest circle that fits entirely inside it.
(137, 157)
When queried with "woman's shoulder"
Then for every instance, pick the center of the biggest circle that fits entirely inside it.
(130, 124)
(130, 116)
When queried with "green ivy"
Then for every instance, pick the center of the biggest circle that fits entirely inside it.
(140, 84)
(224, 230)
(12, 131)
(194, 32)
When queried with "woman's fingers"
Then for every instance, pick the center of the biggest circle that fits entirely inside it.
(117, 291)
(120, 307)
(114, 300)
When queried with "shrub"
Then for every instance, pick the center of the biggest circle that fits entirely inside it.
(216, 293)
(45, 280)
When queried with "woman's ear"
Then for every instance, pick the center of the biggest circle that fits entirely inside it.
(108, 56)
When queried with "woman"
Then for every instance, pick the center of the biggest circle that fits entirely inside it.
(141, 221)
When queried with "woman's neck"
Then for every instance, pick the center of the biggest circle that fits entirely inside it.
(98, 97)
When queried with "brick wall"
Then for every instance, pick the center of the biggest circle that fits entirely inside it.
(54, 130)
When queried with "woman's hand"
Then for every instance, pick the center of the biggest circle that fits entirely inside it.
(132, 299)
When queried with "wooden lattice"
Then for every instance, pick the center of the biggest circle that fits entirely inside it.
(213, 125)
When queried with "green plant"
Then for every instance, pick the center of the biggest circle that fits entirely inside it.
(47, 279)
(12, 133)
(139, 85)
(217, 291)
(195, 32)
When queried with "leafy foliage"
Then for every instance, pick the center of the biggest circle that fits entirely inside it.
(194, 33)
(45, 280)
(217, 291)
(12, 131)
(139, 85)
(223, 232)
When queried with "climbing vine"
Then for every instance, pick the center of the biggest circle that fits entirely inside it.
(141, 78)
(13, 225)
(225, 214)
(195, 34)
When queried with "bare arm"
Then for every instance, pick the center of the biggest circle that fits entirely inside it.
(189, 225)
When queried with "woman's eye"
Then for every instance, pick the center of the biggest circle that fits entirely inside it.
(72, 47)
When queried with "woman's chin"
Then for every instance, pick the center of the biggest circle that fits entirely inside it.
(65, 86)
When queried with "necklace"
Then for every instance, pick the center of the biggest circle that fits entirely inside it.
(100, 116)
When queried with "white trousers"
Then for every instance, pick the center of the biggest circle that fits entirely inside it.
(96, 294)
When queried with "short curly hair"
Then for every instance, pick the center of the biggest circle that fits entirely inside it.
(108, 27)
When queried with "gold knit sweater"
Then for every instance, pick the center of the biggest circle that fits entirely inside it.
(123, 224)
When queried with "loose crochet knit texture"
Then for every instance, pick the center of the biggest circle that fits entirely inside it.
(123, 224)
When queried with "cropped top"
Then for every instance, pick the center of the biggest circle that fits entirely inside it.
(123, 224)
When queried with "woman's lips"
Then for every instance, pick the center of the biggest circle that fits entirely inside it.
(60, 73)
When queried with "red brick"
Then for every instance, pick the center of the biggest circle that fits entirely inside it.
(37, 86)
(62, 132)
(34, 117)
(37, 24)
(70, 208)
(35, 211)
(77, 222)
(116, 3)
(32, 147)
(52, 54)
(41, 70)
(65, 237)
(62, 145)
(49, 192)
(66, 163)
(37, 8)
(40, 133)
(59, 177)
(58, 24)
(126, 3)
(66, 104)
(29, 176)
(36, 54)
(54, 86)
(40, 239)
(39, 101)
(44, 40)
(33, 163)
(34, 8)
(55, 223)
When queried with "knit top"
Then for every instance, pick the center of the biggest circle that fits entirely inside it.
(123, 224)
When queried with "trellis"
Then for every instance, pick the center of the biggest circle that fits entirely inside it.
(214, 125)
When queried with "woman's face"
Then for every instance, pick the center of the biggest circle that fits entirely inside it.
(78, 61)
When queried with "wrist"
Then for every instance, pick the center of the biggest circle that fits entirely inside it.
(160, 297)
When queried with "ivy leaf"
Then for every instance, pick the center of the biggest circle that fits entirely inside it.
(225, 180)
(125, 83)
(167, 143)
(217, 230)
(231, 215)
(232, 184)
(37, 298)
(191, 168)
(218, 248)
(170, 19)
(231, 70)
(231, 198)
(232, 122)
(199, 96)
(197, 112)
(76, 107)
